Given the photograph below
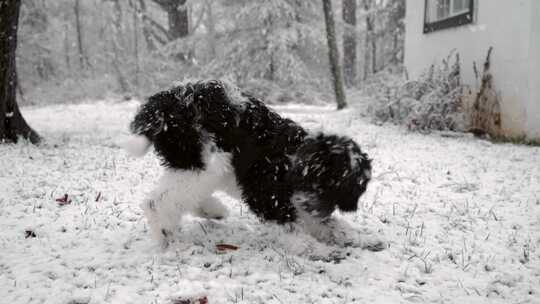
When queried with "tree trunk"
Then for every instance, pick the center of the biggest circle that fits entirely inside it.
(270, 72)
(333, 54)
(136, 47)
(82, 57)
(66, 48)
(179, 25)
(146, 28)
(373, 51)
(178, 20)
(211, 25)
(118, 45)
(349, 42)
(12, 123)
(371, 36)
(369, 60)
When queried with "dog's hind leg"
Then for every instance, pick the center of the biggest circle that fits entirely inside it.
(179, 192)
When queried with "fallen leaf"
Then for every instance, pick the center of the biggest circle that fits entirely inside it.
(64, 200)
(226, 247)
(29, 234)
(203, 300)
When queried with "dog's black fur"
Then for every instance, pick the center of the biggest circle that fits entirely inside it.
(273, 157)
(171, 125)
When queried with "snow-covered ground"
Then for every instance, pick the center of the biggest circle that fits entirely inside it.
(462, 217)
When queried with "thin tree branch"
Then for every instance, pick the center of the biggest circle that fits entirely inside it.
(199, 20)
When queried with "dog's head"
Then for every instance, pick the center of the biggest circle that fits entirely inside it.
(337, 166)
(218, 104)
(364, 172)
(166, 109)
(168, 120)
(357, 179)
(178, 121)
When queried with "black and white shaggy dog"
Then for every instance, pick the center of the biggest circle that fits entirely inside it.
(211, 136)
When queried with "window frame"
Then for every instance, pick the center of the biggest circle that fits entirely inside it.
(460, 19)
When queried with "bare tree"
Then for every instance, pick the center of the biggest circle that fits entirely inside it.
(395, 27)
(146, 25)
(349, 41)
(117, 44)
(38, 21)
(12, 123)
(178, 20)
(371, 40)
(66, 47)
(178, 17)
(211, 25)
(333, 54)
(136, 47)
(83, 59)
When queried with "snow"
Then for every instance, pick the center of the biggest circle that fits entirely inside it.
(462, 217)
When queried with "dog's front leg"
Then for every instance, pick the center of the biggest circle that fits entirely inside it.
(176, 194)
(344, 234)
(163, 224)
(332, 229)
(158, 233)
(310, 218)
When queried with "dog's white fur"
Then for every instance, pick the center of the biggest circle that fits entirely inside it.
(181, 192)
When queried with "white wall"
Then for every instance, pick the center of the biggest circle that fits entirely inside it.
(505, 25)
(533, 108)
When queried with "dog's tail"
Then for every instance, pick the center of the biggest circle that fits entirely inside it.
(136, 145)
(148, 122)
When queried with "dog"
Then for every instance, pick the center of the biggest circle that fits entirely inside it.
(212, 136)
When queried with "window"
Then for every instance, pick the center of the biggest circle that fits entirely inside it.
(441, 14)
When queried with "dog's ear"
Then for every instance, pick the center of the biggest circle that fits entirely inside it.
(150, 117)
(173, 107)
(200, 98)
(185, 107)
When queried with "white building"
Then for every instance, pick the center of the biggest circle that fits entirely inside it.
(511, 27)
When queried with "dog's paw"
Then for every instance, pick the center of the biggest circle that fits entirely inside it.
(165, 239)
(370, 242)
(212, 208)
(378, 246)
(344, 235)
